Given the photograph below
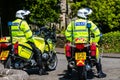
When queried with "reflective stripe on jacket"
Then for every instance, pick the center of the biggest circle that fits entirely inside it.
(21, 31)
(78, 29)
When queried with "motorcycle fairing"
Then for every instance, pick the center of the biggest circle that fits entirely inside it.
(49, 46)
(40, 43)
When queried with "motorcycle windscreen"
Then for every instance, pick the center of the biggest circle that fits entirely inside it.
(24, 52)
(80, 58)
(49, 46)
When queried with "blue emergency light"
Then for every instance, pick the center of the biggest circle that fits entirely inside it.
(9, 23)
(88, 25)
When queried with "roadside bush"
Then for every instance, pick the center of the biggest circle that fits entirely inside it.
(111, 42)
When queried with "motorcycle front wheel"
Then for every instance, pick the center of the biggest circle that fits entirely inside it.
(52, 63)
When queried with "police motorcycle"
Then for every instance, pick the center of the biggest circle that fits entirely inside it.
(20, 55)
(83, 55)
(49, 56)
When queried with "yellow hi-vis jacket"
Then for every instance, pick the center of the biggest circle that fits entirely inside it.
(78, 29)
(21, 31)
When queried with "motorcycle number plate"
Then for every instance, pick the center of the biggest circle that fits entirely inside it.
(4, 54)
(80, 56)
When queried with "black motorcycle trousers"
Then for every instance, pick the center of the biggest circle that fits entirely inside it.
(37, 54)
(99, 66)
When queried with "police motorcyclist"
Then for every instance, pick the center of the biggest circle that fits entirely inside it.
(21, 32)
(78, 29)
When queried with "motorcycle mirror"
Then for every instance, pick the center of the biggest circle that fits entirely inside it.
(88, 25)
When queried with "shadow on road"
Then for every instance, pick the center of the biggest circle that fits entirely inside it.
(34, 71)
(74, 75)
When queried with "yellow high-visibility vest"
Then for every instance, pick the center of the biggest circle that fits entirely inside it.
(21, 31)
(78, 29)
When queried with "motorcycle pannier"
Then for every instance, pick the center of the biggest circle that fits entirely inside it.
(24, 52)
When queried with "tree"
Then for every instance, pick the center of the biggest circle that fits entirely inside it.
(106, 13)
(43, 11)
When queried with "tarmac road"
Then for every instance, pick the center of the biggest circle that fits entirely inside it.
(111, 66)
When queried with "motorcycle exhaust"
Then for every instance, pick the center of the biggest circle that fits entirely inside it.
(71, 64)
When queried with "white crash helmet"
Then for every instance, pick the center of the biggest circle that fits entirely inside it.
(84, 12)
(22, 13)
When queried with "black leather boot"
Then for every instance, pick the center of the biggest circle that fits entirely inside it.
(42, 70)
(38, 57)
(68, 74)
(99, 71)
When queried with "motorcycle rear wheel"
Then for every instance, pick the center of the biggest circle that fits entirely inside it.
(82, 73)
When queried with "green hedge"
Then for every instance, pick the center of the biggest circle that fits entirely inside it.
(111, 42)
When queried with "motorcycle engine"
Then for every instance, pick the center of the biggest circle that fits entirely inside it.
(45, 56)
(18, 65)
(33, 62)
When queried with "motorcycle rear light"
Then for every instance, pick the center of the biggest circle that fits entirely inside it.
(80, 46)
(68, 50)
(4, 45)
(93, 53)
(16, 48)
(3, 58)
(93, 47)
